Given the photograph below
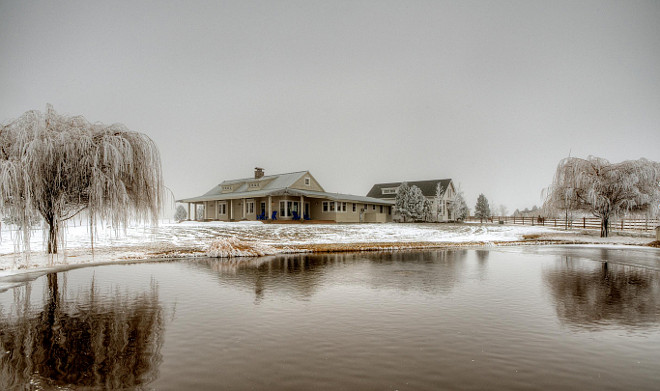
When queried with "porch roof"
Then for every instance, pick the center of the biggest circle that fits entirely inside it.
(288, 191)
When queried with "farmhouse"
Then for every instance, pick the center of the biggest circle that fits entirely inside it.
(291, 196)
(440, 192)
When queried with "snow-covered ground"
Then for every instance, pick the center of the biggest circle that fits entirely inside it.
(194, 238)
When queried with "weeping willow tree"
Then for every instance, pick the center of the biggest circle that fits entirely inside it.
(58, 166)
(606, 190)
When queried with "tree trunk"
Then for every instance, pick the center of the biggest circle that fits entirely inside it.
(604, 227)
(52, 238)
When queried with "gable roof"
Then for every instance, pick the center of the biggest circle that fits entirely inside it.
(279, 181)
(277, 185)
(427, 187)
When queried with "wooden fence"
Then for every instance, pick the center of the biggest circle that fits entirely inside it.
(578, 222)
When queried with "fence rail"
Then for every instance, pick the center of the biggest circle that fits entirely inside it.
(578, 222)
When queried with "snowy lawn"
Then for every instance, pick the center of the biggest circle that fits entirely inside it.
(171, 240)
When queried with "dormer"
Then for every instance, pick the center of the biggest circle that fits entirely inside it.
(228, 188)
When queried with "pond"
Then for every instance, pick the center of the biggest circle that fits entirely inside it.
(504, 318)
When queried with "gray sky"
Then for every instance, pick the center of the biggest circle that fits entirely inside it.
(490, 93)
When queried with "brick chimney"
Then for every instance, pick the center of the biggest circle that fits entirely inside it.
(258, 173)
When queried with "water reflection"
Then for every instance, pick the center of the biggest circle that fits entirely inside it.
(110, 340)
(434, 271)
(589, 294)
(303, 275)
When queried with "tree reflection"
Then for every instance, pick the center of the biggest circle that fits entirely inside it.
(589, 296)
(88, 341)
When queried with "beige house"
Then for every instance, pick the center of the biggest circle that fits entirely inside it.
(292, 196)
(441, 203)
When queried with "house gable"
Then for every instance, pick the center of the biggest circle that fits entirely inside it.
(307, 182)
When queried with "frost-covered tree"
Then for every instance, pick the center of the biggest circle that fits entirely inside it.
(482, 209)
(428, 211)
(605, 189)
(459, 208)
(401, 202)
(180, 214)
(416, 203)
(59, 166)
(199, 212)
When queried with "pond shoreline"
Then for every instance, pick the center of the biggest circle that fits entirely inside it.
(16, 277)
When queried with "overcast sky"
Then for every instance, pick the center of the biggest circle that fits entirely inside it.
(490, 93)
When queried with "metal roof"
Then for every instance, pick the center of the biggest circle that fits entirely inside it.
(277, 185)
(291, 192)
(279, 181)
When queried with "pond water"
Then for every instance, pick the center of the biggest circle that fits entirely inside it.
(514, 318)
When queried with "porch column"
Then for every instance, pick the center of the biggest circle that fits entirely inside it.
(270, 207)
(189, 215)
(301, 208)
(244, 209)
(231, 210)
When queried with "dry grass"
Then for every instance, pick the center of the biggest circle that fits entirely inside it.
(655, 244)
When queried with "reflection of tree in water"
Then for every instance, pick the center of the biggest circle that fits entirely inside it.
(89, 341)
(588, 296)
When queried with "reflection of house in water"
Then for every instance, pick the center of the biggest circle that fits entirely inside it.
(295, 275)
(85, 342)
(589, 294)
(300, 275)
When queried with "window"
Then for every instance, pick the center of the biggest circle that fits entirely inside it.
(222, 208)
(343, 207)
(381, 209)
(307, 181)
(332, 206)
(250, 207)
(354, 207)
(389, 190)
(254, 185)
(325, 206)
(226, 187)
(288, 207)
(373, 207)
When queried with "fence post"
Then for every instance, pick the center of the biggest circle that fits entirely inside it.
(584, 222)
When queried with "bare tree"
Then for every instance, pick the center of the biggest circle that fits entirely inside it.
(604, 189)
(59, 166)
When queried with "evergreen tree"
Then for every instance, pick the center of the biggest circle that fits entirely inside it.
(180, 214)
(482, 209)
(401, 202)
(416, 201)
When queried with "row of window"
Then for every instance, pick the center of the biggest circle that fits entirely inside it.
(288, 207)
(332, 206)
